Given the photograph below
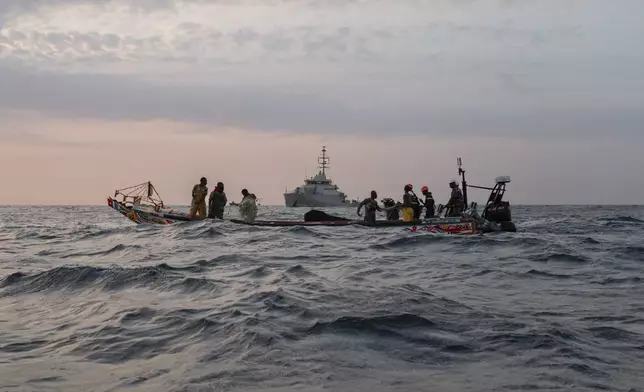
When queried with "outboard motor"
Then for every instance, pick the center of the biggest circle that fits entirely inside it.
(497, 210)
(496, 213)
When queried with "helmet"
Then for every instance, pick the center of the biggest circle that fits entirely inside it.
(410, 186)
(424, 189)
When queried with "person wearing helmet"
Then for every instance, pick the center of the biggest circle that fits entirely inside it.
(455, 204)
(370, 205)
(408, 204)
(415, 203)
(217, 202)
(429, 202)
(198, 205)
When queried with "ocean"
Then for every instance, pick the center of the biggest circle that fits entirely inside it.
(92, 302)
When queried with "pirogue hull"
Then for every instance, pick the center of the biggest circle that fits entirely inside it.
(145, 215)
(462, 226)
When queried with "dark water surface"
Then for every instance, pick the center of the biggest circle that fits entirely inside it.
(91, 302)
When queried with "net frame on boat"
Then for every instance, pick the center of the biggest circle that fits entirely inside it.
(144, 194)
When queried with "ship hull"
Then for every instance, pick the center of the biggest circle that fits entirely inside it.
(311, 200)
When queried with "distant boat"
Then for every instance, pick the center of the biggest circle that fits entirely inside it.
(318, 191)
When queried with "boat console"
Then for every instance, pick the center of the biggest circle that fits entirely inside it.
(497, 210)
(496, 213)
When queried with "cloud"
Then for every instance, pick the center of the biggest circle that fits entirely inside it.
(422, 67)
(18, 7)
(247, 31)
(315, 109)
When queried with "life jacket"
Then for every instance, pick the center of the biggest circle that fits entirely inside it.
(415, 201)
(415, 205)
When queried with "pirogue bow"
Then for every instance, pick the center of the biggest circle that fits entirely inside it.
(142, 204)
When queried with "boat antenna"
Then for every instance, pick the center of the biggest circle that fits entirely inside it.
(461, 172)
(323, 161)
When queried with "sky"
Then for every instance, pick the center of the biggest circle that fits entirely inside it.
(100, 95)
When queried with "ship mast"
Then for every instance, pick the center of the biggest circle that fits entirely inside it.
(323, 161)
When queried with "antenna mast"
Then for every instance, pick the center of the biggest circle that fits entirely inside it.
(323, 161)
(461, 172)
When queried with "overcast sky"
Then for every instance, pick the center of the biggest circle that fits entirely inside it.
(98, 95)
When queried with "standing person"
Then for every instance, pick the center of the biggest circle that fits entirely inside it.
(456, 202)
(407, 205)
(217, 202)
(429, 202)
(371, 206)
(247, 207)
(415, 203)
(198, 205)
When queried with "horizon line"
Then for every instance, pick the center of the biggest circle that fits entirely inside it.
(282, 205)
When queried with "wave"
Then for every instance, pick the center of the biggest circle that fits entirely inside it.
(621, 222)
(253, 272)
(373, 324)
(145, 333)
(74, 278)
(624, 219)
(304, 231)
(36, 235)
(299, 270)
(199, 232)
(225, 260)
(616, 334)
(614, 280)
(416, 240)
(232, 306)
(556, 256)
(631, 252)
(88, 233)
(541, 338)
(544, 274)
(114, 249)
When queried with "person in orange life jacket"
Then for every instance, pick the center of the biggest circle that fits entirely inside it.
(429, 202)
